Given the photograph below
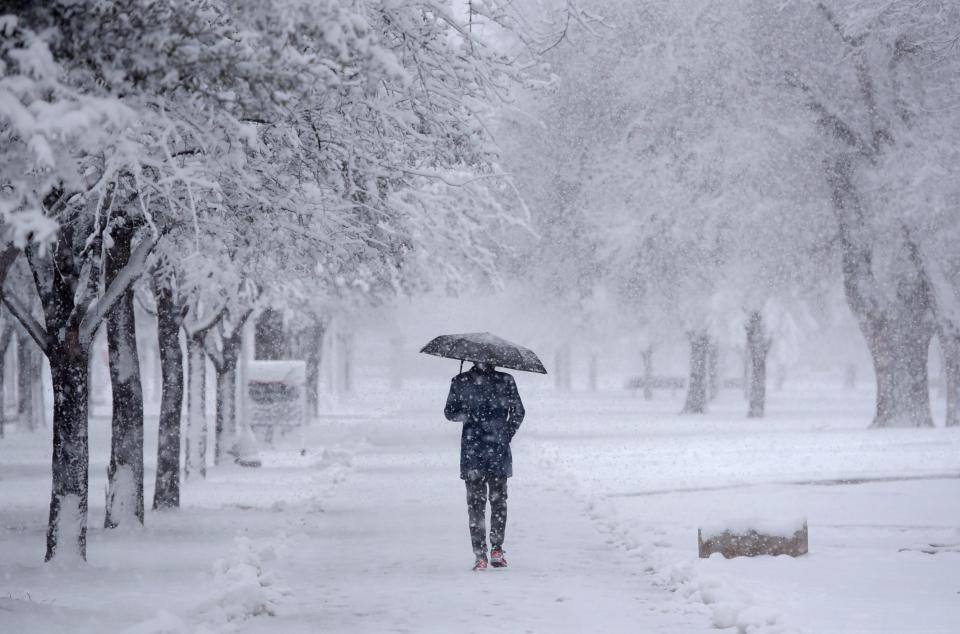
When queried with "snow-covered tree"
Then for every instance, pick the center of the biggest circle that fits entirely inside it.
(879, 80)
(679, 192)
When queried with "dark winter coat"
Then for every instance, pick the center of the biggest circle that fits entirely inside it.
(489, 406)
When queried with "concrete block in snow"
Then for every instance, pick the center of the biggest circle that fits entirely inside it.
(752, 541)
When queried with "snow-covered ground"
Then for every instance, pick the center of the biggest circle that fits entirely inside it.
(366, 532)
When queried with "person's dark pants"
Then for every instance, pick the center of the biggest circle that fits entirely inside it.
(477, 491)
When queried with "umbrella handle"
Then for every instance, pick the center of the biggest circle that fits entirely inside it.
(461, 366)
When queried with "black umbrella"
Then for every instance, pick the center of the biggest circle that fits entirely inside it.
(482, 347)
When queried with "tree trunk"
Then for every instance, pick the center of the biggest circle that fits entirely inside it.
(697, 386)
(3, 400)
(647, 357)
(167, 491)
(894, 315)
(951, 369)
(6, 336)
(196, 436)
(713, 369)
(226, 414)
(269, 339)
(950, 345)
(225, 443)
(757, 348)
(56, 273)
(314, 356)
(39, 408)
(24, 379)
(344, 372)
(124, 503)
(29, 383)
(67, 528)
(900, 351)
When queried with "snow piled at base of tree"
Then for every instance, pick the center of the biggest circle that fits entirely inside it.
(69, 527)
(122, 498)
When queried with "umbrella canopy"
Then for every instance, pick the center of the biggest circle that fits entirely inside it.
(482, 347)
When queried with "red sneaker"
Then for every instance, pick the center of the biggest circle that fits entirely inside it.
(496, 558)
(480, 565)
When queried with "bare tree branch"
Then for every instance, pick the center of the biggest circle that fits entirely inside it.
(830, 121)
(33, 327)
(831, 19)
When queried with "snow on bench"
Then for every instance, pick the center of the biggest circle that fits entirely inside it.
(752, 537)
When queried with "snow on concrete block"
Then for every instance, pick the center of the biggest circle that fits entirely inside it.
(749, 538)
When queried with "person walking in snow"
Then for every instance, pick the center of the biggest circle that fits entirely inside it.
(489, 406)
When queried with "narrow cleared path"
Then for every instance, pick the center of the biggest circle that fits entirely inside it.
(389, 552)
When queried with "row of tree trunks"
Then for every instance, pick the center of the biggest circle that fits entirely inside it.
(124, 504)
(705, 379)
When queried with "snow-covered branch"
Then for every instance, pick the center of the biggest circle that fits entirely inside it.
(97, 311)
(196, 325)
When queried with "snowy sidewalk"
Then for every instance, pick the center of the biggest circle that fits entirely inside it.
(366, 530)
(390, 553)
